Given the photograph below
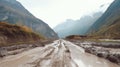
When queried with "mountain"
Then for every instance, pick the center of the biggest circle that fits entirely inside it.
(77, 27)
(13, 12)
(108, 25)
(13, 34)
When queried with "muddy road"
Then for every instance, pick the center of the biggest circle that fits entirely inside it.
(61, 53)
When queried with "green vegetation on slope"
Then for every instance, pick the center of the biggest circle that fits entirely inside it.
(108, 25)
(110, 32)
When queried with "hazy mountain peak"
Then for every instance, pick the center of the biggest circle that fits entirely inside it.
(77, 27)
(13, 12)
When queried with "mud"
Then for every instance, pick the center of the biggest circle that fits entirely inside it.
(61, 53)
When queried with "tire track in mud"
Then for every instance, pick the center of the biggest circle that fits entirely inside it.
(58, 56)
(61, 53)
(45, 55)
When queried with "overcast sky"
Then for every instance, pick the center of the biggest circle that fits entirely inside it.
(54, 12)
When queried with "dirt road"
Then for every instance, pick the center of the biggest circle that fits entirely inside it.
(61, 53)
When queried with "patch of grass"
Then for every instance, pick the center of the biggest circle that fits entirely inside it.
(109, 31)
(14, 34)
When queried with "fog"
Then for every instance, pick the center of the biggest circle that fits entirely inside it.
(77, 27)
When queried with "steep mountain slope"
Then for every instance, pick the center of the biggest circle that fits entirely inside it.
(108, 25)
(14, 34)
(112, 31)
(77, 27)
(13, 12)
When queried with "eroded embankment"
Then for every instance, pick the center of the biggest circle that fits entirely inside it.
(107, 50)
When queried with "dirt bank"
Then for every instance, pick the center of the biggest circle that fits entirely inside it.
(107, 50)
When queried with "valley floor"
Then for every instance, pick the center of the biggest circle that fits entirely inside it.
(60, 53)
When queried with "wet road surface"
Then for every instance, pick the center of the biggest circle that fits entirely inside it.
(61, 53)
